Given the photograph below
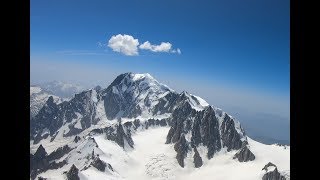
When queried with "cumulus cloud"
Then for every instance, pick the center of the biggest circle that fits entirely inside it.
(129, 46)
(163, 47)
(125, 44)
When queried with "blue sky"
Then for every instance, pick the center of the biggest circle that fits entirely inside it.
(237, 49)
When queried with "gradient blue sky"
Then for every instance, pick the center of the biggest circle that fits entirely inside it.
(235, 53)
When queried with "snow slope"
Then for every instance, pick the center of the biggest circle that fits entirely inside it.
(156, 160)
(153, 159)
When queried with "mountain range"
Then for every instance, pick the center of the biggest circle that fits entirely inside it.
(139, 128)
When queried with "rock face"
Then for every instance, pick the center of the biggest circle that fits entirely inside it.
(272, 172)
(181, 147)
(53, 116)
(99, 164)
(230, 136)
(38, 161)
(197, 160)
(119, 135)
(204, 127)
(61, 151)
(72, 174)
(244, 155)
(41, 161)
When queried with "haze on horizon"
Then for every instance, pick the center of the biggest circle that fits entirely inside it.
(233, 54)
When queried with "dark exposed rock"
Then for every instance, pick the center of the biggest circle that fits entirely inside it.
(41, 178)
(119, 135)
(210, 129)
(162, 122)
(72, 174)
(244, 155)
(268, 165)
(136, 123)
(99, 164)
(181, 147)
(166, 104)
(155, 122)
(113, 103)
(272, 175)
(230, 137)
(76, 139)
(169, 136)
(40, 153)
(46, 119)
(197, 160)
(96, 131)
(150, 122)
(58, 153)
(203, 125)
(179, 115)
(128, 124)
(40, 161)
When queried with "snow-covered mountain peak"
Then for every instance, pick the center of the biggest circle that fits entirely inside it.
(144, 81)
(137, 76)
(134, 94)
(140, 125)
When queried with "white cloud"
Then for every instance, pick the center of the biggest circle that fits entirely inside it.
(128, 45)
(125, 44)
(163, 47)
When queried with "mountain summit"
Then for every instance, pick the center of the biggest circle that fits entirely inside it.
(104, 127)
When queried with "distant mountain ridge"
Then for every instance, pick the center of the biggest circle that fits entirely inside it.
(61, 89)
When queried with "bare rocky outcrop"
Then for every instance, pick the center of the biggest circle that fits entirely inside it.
(197, 160)
(181, 147)
(73, 173)
(272, 172)
(244, 155)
